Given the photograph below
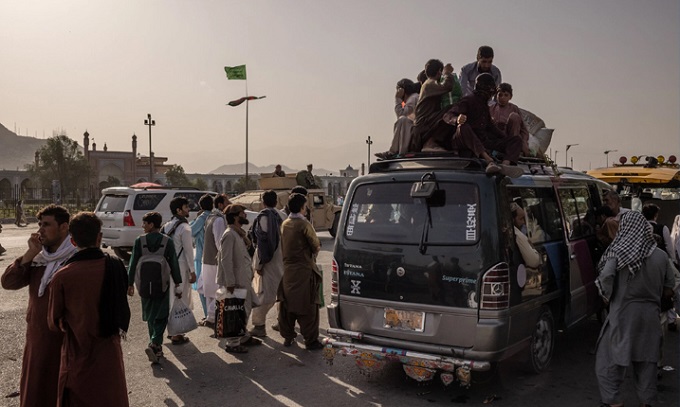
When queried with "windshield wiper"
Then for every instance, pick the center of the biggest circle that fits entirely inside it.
(425, 189)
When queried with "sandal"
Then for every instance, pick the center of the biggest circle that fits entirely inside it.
(151, 354)
(180, 341)
(236, 349)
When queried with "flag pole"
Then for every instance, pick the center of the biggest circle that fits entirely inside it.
(246, 186)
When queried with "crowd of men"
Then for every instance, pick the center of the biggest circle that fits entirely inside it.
(72, 355)
(470, 117)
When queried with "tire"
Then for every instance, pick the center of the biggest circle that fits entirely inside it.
(122, 254)
(542, 342)
(334, 229)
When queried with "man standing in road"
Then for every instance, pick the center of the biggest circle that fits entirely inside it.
(198, 233)
(234, 269)
(633, 276)
(155, 311)
(215, 226)
(484, 64)
(88, 303)
(268, 260)
(299, 289)
(179, 230)
(48, 249)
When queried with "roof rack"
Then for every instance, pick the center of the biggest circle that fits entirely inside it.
(412, 161)
(166, 187)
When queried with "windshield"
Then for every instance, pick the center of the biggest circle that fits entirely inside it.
(387, 213)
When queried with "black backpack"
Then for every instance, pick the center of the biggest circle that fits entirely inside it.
(152, 276)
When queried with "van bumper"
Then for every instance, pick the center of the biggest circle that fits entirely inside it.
(417, 365)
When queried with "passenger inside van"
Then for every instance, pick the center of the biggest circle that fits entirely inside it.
(529, 253)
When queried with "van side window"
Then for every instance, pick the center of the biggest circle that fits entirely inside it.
(543, 222)
(579, 213)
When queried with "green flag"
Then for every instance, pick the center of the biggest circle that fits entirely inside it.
(235, 72)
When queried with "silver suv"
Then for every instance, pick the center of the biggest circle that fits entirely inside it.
(121, 210)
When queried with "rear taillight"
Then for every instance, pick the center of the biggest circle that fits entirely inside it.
(496, 288)
(127, 219)
(334, 277)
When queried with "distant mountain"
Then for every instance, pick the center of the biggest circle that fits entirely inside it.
(17, 151)
(254, 169)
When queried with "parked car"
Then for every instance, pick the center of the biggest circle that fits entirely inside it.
(426, 270)
(121, 210)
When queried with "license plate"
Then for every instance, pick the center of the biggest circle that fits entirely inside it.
(404, 320)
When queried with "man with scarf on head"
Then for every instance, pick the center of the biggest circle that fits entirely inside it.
(268, 260)
(633, 276)
(179, 230)
(234, 269)
(88, 303)
(48, 249)
(476, 134)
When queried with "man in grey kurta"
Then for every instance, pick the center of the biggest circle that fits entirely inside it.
(299, 289)
(268, 260)
(234, 268)
(634, 274)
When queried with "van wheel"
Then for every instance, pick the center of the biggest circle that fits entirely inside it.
(542, 342)
(334, 229)
(122, 254)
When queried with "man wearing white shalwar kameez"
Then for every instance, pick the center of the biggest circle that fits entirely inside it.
(179, 230)
(267, 261)
(215, 226)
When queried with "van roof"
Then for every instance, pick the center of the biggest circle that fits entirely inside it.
(449, 161)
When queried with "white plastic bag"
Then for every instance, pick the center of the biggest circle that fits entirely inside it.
(181, 319)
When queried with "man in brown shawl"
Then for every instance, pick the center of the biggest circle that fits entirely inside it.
(299, 289)
(48, 249)
(88, 303)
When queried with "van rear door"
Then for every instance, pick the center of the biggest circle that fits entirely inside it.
(408, 267)
(111, 208)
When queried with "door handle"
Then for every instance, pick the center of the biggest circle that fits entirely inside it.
(573, 256)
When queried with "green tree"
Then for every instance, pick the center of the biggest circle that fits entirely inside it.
(176, 176)
(201, 184)
(60, 159)
(241, 187)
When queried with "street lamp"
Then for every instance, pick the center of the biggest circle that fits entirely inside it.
(566, 158)
(149, 122)
(369, 142)
(606, 153)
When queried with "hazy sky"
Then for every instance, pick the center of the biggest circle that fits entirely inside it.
(605, 74)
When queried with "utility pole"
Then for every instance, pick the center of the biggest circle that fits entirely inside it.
(369, 142)
(606, 153)
(566, 152)
(149, 122)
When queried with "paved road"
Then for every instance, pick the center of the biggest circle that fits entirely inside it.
(201, 373)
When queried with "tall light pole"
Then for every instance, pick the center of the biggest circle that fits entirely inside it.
(149, 122)
(566, 152)
(555, 160)
(606, 153)
(369, 142)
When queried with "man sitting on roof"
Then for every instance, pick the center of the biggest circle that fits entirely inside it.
(476, 132)
(428, 125)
